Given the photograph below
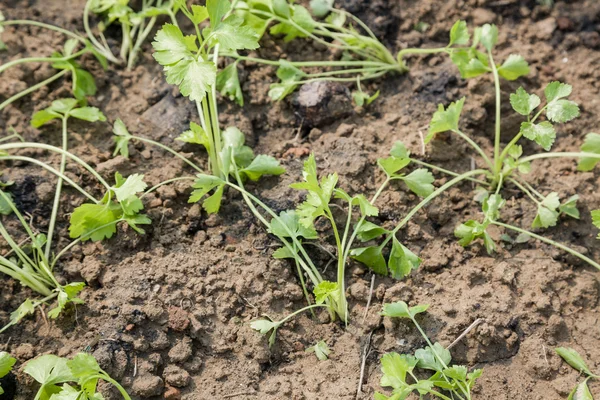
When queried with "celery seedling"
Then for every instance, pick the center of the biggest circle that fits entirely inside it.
(364, 56)
(64, 379)
(574, 359)
(6, 364)
(32, 261)
(399, 369)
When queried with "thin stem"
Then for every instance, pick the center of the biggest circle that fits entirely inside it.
(428, 199)
(170, 150)
(497, 158)
(106, 52)
(301, 277)
(405, 52)
(292, 315)
(476, 147)
(78, 160)
(445, 171)
(57, 193)
(549, 241)
(45, 26)
(53, 171)
(153, 188)
(559, 155)
(524, 189)
(12, 63)
(32, 89)
(307, 64)
(508, 147)
(207, 126)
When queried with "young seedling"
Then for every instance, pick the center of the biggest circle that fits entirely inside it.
(399, 369)
(364, 56)
(574, 359)
(31, 261)
(507, 166)
(320, 349)
(135, 25)
(6, 364)
(63, 379)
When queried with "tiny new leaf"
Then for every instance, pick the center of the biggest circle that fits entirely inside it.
(401, 310)
(320, 349)
(547, 214)
(591, 144)
(574, 359)
(445, 119)
(523, 102)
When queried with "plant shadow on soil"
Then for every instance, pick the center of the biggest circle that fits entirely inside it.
(169, 312)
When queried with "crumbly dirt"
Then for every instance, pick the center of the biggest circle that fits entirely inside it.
(168, 313)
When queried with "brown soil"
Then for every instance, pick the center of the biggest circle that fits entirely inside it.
(168, 313)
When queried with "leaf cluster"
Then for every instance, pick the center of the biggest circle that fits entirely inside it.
(63, 379)
(97, 221)
(574, 359)
(399, 370)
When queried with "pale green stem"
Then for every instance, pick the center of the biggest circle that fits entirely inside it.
(497, 130)
(559, 155)
(32, 89)
(10, 64)
(57, 193)
(445, 171)
(153, 188)
(45, 26)
(170, 150)
(551, 242)
(476, 147)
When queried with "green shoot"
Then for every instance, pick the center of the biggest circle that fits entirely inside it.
(6, 364)
(399, 369)
(61, 378)
(190, 62)
(574, 359)
(364, 56)
(320, 349)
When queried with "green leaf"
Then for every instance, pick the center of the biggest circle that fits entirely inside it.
(228, 84)
(574, 359)
(212, 204)
(361, 98)
(400, 309)
(371, 257)
(320, 349)
(291, 220)
(402, 261)
(472, 230)
(321, 8)
(170, 45)
(262, 165)
(562, 110)
(547, 215)
(470, 62)
(569, 207)
(130, 187)
(88, 221)
(6, 363)
(325, 290)
(392, 165)
(514, 67)
(232, 35)
(591, 144)
(67, 294)
(26, 308)
(366, 208)
(67, 392)
(581, 392)
(489, 36)
(596, 219)
(5, 203)
(217, 9)
(492, 205)
(399, 150)
(429, 357)
(420, 182)
(542, 133)
(195, 135)
(193, 77)
(395, 368)
(369, 231)
(199, 14)
(63, 106)
(42, 117)
(459, 34)
(445, 119)
(284, 252)
(83, 365)
(523, 102)
(84, 84)
(49, 370)
(302, 18)
(265, 326)
(91, 114)
(281, 8)
(203, 185)
(557, 90)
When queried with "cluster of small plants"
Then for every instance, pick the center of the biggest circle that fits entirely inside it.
(61, 378)
(223, 34)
